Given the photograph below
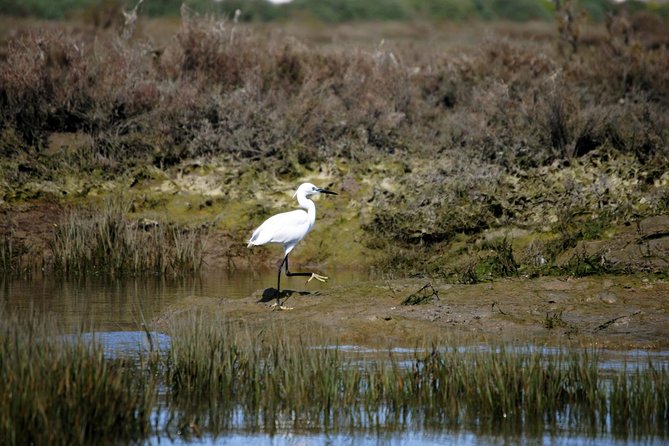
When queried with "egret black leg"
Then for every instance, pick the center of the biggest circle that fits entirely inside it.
(278, 280)
(289, 274)
(310, 275)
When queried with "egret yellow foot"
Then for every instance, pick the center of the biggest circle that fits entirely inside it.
(317, 277)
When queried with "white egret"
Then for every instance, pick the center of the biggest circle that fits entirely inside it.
(287, 229)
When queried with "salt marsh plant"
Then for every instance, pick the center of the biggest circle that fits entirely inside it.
(458, 140)
(269, 380)
(107, 242)
(12, 255)
(62, 390)
(644, 393)
(221, 376)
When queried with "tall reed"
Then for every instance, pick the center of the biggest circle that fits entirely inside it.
(108, 243)
(642, 402)
(231, 375)
(221, 376)
(61, 390)
(13, 258)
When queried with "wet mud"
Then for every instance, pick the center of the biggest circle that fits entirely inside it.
(603, 312)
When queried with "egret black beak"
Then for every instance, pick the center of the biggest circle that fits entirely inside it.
(325, 191)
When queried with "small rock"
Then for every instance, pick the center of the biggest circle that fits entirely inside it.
(608, 297)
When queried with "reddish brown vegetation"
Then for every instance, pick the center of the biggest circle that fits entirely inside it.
(481, 130)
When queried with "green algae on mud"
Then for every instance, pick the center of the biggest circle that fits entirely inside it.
(343, 236)
(437, 154)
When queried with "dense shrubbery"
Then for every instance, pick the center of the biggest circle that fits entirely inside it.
(218, 89)
(212, 90)
(506, 133)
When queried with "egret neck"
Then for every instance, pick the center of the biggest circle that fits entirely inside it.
(309, 205)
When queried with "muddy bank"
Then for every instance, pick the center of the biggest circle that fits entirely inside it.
(603, 312)
(612, 311)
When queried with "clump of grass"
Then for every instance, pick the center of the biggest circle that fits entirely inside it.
(264, 379)
(226, 376)
(423, 296)
(554, 320)
(584, 263)
(467, 273)
(500, 262)
(108, 243)
(12, 256)
(642, 402)
(495, 260)
(60, 390)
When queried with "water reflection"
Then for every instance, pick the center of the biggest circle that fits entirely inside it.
(126, 344)
(400, 438)
(116, 308)
(123, 303)
(607, 360)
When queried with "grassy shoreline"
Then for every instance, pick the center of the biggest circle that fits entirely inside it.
(219, 376)
(463, 155)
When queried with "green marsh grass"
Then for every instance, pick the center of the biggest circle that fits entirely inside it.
(57, 389)
(107, 242)
(224, 375)
(642, 402)
(11, 255)
(220, 376)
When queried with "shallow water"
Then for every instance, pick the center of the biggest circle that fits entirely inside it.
(123, 304)
(112, 312)
(399, 438)
(608, 360)
(126, 344)
(135, 344)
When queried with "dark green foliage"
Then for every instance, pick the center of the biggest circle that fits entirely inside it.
(332, 10)
(500, 262)
(583, 263)
(468, 274)
(347, 10)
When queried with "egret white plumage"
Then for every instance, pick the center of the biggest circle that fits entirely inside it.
(288, 228)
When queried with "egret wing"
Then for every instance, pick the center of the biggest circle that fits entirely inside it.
(285, 228)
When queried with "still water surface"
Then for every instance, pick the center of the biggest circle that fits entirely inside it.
(114, 310)
(118, 304)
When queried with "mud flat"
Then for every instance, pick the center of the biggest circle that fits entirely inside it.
(626, 312)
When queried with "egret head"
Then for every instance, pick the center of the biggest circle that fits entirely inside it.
(308, 189)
